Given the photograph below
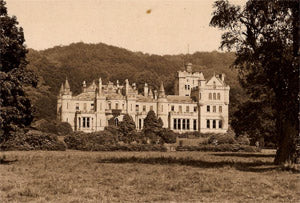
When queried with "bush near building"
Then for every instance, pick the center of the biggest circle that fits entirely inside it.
(32, 140)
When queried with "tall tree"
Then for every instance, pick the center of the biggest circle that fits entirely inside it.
(15, 107)
(265, 37)
(127, 128)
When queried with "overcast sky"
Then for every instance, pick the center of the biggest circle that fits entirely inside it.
(150, 26)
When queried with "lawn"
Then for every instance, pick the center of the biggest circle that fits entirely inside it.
(75, 176)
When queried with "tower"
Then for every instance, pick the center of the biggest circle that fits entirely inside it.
(162, 106)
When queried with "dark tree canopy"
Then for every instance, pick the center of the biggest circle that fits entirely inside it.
(265, 37)
(12, 49)
(15, 107)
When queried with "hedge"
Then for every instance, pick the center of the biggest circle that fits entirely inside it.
(33, 140)
(219, 148)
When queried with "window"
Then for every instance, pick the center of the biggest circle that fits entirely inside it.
(188, 124)
(140, 123)
(183, 124)
(144, 107)
(218, 96)
(220, 124)
(162, 108)
(130, 107)
(137, 108)
(220, 109)
(123, 106)
(195, 108)
(117, 106)
(116, 121)
(84, 106)
(175, 123)
(180, 109)
(109, 105)
(214, 96)
(214, 109)
(67, 105)
(79, 122)
(208, 123)
(185, 87)
(88, 122)
(214, 123)
(83, 122)
(187, 109)
(92, 106)
(172, 108)
(188, 87)
(195, 124)
(77, 106)
(208, 108)
(209, 96)
(179, 124)
(151, 108)
(199, 95)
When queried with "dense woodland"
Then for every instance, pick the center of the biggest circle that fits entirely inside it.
(80, 61)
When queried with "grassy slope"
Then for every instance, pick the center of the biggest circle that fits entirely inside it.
(75, 176)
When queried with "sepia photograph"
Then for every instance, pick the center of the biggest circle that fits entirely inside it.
(149, 101)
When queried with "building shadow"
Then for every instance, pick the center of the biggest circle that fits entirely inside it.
(254, 166)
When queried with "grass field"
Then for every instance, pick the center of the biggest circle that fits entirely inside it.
(75, 176)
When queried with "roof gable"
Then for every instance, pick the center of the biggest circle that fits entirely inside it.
(215, 81)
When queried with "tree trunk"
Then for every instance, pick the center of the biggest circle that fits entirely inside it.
(286, 151)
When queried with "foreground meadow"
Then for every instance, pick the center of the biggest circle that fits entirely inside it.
(75, 176)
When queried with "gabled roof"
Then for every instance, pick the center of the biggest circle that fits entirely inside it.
(85, 96)
(215, 81)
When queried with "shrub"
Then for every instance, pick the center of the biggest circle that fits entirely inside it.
(221, 139)
(33, 140)
(243, 140)
(168, 136)
(51, 126)
(63, 128)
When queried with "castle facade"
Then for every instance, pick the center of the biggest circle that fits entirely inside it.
(198, 104)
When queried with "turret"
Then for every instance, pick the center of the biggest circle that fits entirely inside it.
(100, 86)
(84, 86)
(61, 91)
(146, 90)
(161, 93)
(67, 90)
(151, 93)
(162, 106)
(155, 94)
(188, 67)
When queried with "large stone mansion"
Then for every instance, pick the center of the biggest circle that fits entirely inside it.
(198, 104)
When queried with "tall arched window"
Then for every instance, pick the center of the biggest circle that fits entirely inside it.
(116, 121)
(214, 96)
(219, 96)
(210, 96)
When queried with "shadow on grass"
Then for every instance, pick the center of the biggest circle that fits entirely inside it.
(256, 166)
(244, 155)
(3, 161)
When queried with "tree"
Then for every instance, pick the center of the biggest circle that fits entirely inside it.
(265, 36)
(12, 49)
(15, 107)
(152, 127)
(127, 128)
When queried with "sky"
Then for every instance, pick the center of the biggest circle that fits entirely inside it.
(150, 26)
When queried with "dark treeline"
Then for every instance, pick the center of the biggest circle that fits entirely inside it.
(80, 61)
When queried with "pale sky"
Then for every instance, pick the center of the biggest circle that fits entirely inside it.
(169, 28)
